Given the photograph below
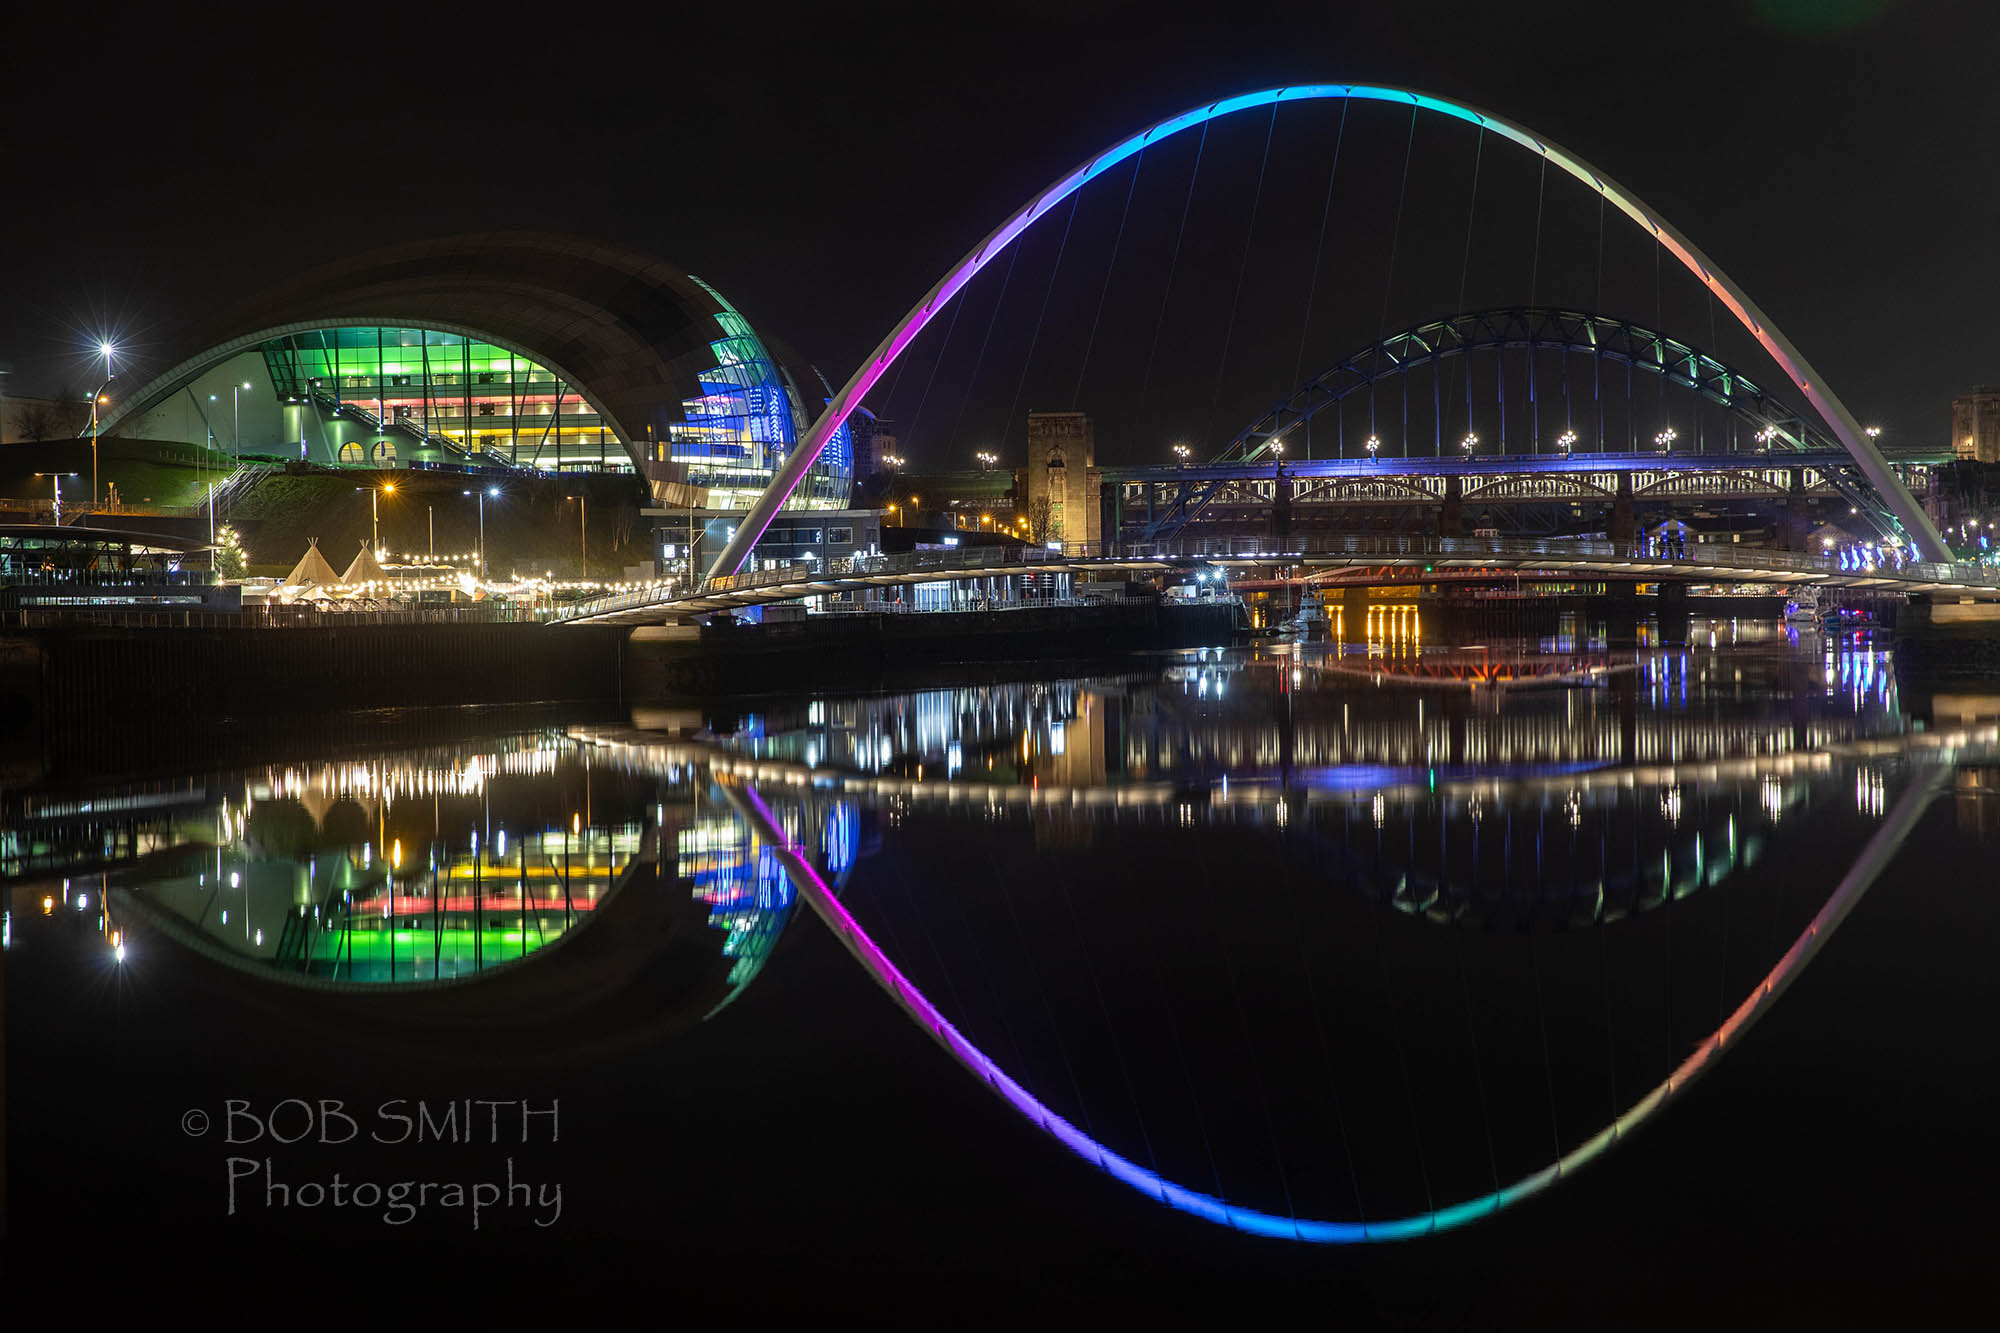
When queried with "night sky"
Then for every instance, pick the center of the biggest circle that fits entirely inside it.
(1835, 156)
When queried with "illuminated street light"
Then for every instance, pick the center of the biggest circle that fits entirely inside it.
(1182, 452)
(986, 460)
(1374, 446)
(1873, 432)
(55, 481)
(236, 401)
(1665, 439)
(1469, 443)
(1568, 441)
(1764, 438)
(492, 491)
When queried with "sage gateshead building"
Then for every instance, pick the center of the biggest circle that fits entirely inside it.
(510, 351)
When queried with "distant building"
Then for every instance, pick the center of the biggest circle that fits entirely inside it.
(873, 438)
(1975, 425)
(1064, 485)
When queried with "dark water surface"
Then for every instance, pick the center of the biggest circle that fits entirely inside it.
(1125, 995)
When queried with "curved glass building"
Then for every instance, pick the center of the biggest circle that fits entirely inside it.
(511, 351)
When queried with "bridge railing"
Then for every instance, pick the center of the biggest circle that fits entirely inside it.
(970, 561)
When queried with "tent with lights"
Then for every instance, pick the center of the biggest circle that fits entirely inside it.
(364, 569)
(312, 571)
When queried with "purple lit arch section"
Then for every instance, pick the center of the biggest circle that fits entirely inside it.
(1845, 427)
(1874, 857)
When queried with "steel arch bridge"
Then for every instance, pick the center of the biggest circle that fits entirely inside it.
(1846, 429)
(1533, 328)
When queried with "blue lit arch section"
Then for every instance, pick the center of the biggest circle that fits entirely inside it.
(748, 887)
(746, 422)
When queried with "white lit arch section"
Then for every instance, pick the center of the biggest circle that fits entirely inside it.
(1916, 524)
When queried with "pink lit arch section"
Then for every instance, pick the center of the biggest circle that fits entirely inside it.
(1874, 857)
(1845, 427)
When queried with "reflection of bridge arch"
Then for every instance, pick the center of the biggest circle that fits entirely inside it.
(1845, 427)
(1873, 858)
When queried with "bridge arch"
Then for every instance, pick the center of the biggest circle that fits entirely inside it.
(1921, 533)
(1540, 328)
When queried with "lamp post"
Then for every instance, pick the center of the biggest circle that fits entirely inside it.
(236, 403)
(1665, 439)
(1374, 446)
(482, 494)
(374, 515)
(986, 460)
(1182, 452)
(1469, 443)
(95, 400)
(1567, 442)
(55, 482)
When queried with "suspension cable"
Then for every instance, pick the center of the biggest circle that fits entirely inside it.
(1173, 265)
(1242, 270)
(1110, 268)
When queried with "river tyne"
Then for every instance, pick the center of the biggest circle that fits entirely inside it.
(1535, 983)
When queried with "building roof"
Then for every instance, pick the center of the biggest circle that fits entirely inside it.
(629, 331)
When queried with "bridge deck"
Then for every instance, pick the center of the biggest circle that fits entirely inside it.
(1588, 560)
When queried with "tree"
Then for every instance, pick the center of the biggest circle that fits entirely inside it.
(230, 559)
(1038, 520)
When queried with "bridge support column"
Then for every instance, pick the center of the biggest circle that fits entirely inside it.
(1793, 525)
(1451, 519)
(1618, 525)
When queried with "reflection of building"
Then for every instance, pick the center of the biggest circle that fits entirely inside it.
(1975, 424)
(507, 350)
(1976, 794)
(1063, 480)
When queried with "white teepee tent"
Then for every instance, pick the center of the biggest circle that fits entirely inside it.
(312, 569)
(364, 568)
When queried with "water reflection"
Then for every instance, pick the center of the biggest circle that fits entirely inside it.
(1313, 955)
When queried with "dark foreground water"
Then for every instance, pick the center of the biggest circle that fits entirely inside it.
(1525, 985)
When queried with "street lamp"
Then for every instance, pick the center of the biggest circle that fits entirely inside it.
(892, 510)
(1469, 443)
(97, 398)
(55, 481)
(1764, 438)
(492, 491)
(1182, 452)
(1568, 442)
(236, 402)
(1374, 446)
(1665, 439)
(374, 516)
(1873, 432)
(986, 460)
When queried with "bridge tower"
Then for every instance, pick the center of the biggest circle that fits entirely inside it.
(1062, 473)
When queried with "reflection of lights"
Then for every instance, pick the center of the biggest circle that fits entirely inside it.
(1773, 799)
(1378, 810)
(1670, 805)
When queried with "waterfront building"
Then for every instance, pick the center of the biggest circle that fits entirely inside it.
(511, 352)
(1975, 425)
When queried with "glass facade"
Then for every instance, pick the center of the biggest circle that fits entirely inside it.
(419, 395)
(747, 421)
